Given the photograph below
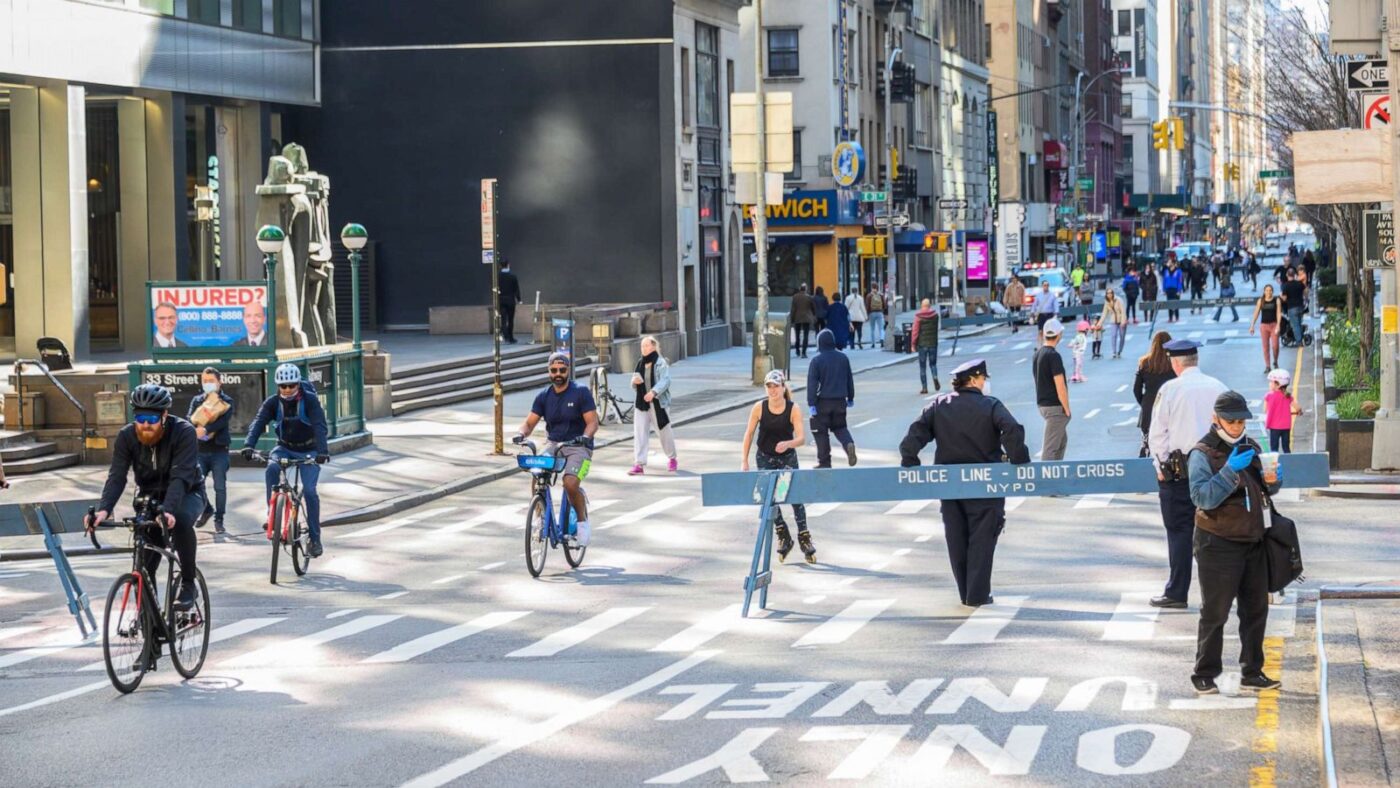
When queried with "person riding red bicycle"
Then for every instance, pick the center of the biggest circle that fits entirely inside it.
(300, 425)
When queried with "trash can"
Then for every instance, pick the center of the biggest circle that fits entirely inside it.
(779, 341)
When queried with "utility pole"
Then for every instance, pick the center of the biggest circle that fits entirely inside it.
(890, 156)
(491, 253)
(1385, 448)
(763, 362)
(1074, 162)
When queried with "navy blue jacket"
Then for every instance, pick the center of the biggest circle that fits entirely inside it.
(300, 426)
(829, 375)
(216, 430)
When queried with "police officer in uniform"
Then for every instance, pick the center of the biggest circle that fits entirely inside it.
(1183, 412)
(970, 427)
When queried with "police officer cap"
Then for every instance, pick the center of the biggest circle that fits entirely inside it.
(1181, 347)
(977, 366)
(1232, 406)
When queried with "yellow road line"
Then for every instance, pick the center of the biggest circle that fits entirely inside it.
(1297, 372)
(1266, 718)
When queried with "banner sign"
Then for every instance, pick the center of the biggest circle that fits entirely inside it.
(978, 255)
(191, 318)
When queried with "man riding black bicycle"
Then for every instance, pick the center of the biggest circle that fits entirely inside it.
(163, 453)
(570, 416)
(300, 424)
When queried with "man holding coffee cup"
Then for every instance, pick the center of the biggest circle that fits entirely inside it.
(1231, 495)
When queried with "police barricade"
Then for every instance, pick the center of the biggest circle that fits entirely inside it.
(49, 520)
(768, 489)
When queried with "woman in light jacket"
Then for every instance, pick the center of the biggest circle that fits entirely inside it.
(652, 380)
(855, 304)
(1115, 319)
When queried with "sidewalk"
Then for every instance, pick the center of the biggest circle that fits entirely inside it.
(1362, 639)
(433, 453)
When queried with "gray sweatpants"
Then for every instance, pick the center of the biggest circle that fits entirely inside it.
(1056, 437)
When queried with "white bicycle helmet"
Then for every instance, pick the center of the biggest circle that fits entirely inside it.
(287, 374)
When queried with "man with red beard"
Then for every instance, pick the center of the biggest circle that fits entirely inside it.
(162, 451)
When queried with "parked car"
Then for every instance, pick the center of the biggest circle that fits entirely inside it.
(1192, 249)
(1033, 274)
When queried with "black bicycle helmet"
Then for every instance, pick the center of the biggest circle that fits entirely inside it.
(149, 396)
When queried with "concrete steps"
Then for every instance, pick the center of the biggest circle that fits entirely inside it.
(22, 454)
(456, 380)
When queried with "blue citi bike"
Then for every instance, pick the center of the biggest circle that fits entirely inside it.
(543, 527)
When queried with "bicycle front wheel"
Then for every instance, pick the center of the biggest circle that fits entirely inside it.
(301, 543)
(536, 538)
(276, 537)
(126, 635)
(189, 629)
(598, 382)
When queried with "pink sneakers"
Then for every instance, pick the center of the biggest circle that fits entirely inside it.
(637, 470)
(672, 466)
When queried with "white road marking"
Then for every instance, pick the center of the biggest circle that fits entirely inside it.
(489, 567)
(926, 537)
(702, 631)
(578, 633)
(637, 515)
(1020, 360)
(1091, 414)
(1133, 619)
(392, 595)
(400, 522)
(1014, 502)
(815, 510)
(987, 621)
(865, 423)
(10, 632)
(907, 507)
(62, 696)
(986, 348)
(843, 625)
(735, 758)
(435, 640)
(717, 514)
(1095, 501)
(1021, 345)
(501, 513)
(903, 551)
(1195, 335)
(298, 650)
(343, 613)
(547, 728)
(814, 599)
(1125, 422)
(219, 634)
(448, 579)
(876, 743)
(1232, 333)
(55, 645)
(1121, 389)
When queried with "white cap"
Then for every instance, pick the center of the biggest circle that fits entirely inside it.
(774, 377)
(1053, 327)
(1281, 377)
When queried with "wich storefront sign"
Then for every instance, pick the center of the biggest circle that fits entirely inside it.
(824, 207)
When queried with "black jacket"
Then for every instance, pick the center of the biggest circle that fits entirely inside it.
(168, 470)
(216, 430)
(970, 428)
(829, 375)
(1145, 388)
(510, 288)
(300, 426)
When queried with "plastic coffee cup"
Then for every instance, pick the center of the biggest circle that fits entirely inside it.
(1269, 460)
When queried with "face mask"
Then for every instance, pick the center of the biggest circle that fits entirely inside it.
(210, 388)
(987, 387)
(1225, 436)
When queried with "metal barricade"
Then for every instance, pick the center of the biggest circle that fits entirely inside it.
(49, 520)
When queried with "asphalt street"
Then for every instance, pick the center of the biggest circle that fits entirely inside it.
(418, 651)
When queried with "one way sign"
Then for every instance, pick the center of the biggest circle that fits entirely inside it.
(1367, 75)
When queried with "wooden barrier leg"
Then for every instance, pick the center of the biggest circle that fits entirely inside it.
(78, 604)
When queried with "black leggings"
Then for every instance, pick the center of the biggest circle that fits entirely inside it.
(770, 462)
(182, 536)
(1132, 307)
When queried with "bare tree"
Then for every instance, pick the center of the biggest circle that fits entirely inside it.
(1307, 91)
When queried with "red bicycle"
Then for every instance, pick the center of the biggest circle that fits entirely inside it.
(286, 526)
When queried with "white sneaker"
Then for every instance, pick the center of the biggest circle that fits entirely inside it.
(584, 532)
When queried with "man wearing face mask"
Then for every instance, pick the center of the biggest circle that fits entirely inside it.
(971, 428)
(160, 450)
(210, 413)
(1230, 493)
(300, 424)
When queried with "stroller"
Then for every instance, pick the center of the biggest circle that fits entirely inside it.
(1285, 333)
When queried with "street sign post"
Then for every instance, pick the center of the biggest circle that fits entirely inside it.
(1368, 75)
(873, 196)
(952, 204)
(1265, 175)
(1086, 184)
(1377, 240)
(1375, 110)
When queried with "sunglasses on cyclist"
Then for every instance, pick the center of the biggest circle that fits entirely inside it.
(558, 370)
(288, 386)
(148, 419)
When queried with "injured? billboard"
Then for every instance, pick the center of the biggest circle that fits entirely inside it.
(193, 318)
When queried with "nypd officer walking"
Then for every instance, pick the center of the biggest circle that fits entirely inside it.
(970, 427)
(1183, 412)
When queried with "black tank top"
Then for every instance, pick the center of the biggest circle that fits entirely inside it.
(1268, 311)
(773, 428)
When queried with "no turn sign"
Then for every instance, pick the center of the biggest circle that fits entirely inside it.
(1375, 110)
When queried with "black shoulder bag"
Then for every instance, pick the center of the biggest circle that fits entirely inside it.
(1281, 549)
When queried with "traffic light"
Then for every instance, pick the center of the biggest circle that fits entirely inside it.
(906, 184)
(1161, 132)
(871, 246)
(936, 242)
(1178, 133)
(902, 83)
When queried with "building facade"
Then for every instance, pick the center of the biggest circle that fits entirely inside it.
(963, 94)
(102, 156)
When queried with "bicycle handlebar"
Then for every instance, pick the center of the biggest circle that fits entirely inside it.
(129, 522)
(285, 462)
(529, 444)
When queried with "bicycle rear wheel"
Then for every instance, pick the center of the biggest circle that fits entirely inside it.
(126, 635)
(276, 539)
(189, 629)
(301, 543)
(602, 398)
(536, 540)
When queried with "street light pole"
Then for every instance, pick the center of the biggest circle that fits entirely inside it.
(762, 362)
(889, 150)
(270, 239)
(354, 237)
(1079, 91)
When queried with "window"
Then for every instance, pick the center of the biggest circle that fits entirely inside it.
(986, 43)
(1127, 106)
(205, 11)
(1125, 23)
(711, 251)
(923, 110)
(782, 53)
(286, 18)
(796, 174)
(707, 75)
(685, 89)
(247, 15)
(922, 15)
(159, 6)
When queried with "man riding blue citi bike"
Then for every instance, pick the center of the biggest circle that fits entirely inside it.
(300, 424)
(571, 420)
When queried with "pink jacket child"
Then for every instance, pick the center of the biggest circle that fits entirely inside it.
(1279, 410)
(1076, 346)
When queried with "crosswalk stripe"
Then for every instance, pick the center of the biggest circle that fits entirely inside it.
(1125, 422)
(986, 348)
(987, 621)
(841, 626)
(908, 507)
(576, 634)
(815, 510)
(10, 632)
(1020, 345)
(715, 514)
(1195, 335)
(865, 423)
(296, 651)
(702, 631)
(1232, 333)
(1091, 414)
(1095, 501)
(637, 515)
(62, 696)
(1133, 619)
(54, 646)
(218, 634)
(435, 640)
(1014, 502)
(1121, 389)
(400, 522)
(494, 514)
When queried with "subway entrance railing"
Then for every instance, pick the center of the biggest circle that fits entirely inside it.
(768, 489)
